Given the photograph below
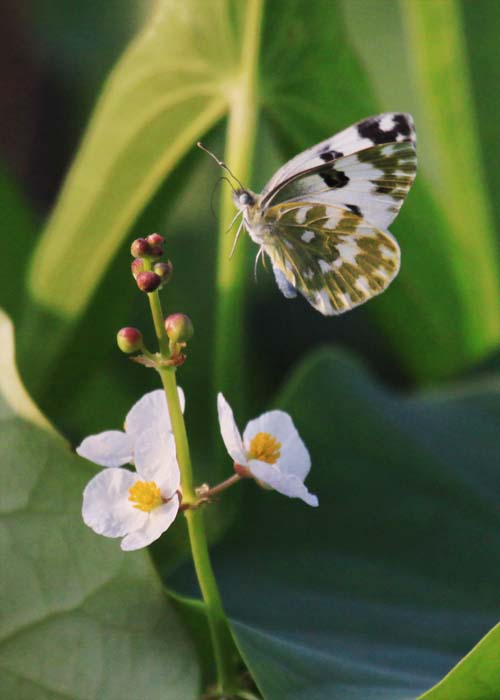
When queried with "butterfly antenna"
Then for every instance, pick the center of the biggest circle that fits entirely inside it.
(219, 163)
(212, 208)
(223, 177)
(236, 240)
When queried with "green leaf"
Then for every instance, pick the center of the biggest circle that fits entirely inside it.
(476, 677)
(378, 592)
(14, 400)
(438, 51)
(156, 103)
(81, 619)
(158, 100)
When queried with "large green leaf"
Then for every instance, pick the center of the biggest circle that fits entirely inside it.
(80, 618)
(377, 593)
(156, 102)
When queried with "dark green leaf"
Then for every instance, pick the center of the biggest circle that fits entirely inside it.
(383, 588)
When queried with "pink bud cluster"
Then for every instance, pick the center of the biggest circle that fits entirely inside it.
(149, 272)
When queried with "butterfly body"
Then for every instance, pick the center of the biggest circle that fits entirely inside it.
(322, 219)
(249, 204)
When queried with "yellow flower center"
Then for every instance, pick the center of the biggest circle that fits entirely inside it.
(265, 448)
(146, 495)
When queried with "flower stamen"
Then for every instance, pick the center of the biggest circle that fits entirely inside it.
(265, 448)
(146, 495)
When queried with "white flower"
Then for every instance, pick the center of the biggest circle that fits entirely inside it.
(113, 448)
(271, 449)
(138, 506)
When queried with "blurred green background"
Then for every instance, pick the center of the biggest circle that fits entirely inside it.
(97, 147)
(440, 318)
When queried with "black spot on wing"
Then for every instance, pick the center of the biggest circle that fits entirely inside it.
(330, 154)
(370, 129)
(333, 178)
(354, 208)
(402, 125)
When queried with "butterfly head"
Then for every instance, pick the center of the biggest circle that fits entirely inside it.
(243, 199)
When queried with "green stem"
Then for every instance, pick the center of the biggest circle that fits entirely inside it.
(179, 429)
(157, 313)
(242, 120)
(219, 630)
(222, 640)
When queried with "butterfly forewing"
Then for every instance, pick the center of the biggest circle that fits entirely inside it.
(373, 131)
(372, 183)
(334, 257)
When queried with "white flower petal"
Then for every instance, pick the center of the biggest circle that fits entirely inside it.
(286, 484)
(155, 460)
(106, 508)
(158, 521)
(229, 431)
(293, 487)
(294, 457)
(111, 448)
(265, 472)
(150, 412)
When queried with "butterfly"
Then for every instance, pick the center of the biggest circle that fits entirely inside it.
(322, 218)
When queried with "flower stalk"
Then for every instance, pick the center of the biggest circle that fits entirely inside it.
(222, 641)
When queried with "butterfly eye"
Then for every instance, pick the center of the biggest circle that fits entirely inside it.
(246, 198)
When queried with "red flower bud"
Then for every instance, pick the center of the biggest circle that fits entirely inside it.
(137, 266)
(129, 339)
(148, 281)
(179, 328)
(163, 270)
(140, 248)
(156, 251)
(155, 239)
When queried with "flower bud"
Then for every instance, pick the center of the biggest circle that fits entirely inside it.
(129, 339)
(156, 239)
(156, 243)
(164, 271)
(137, 266)
(148, 281)
(140, 248)
(156, 251)
(179, 328)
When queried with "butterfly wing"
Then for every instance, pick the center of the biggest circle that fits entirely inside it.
(368, 168)
(332, 256)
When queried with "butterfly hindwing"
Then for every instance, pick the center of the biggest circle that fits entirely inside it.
(332, 256)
